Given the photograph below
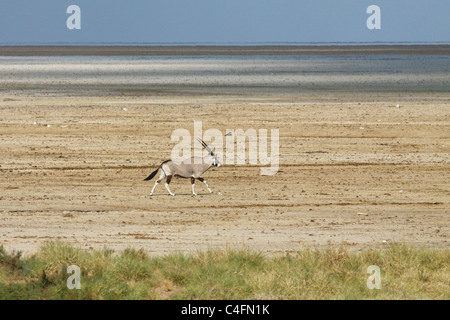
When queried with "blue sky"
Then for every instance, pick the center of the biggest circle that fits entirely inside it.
(223, 22)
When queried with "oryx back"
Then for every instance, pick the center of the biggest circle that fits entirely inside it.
(192, 167)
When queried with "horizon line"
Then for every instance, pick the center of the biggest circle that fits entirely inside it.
(243, 44)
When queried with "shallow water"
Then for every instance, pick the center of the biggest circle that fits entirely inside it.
(147, 74)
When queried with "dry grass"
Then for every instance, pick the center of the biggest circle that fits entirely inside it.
(332, 273)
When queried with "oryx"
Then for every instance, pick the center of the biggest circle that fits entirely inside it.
(190, 168)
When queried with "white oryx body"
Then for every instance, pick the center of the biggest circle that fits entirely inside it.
(190, 168)
(193, 167)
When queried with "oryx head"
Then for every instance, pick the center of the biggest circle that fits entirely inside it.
(215, 161)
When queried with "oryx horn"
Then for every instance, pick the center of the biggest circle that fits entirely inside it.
(205, 146)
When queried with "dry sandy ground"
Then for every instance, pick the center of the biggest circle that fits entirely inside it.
(354, 170)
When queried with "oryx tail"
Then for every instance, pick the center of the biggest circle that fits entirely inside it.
(150, 177)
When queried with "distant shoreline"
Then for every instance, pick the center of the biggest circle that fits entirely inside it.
(164, 50)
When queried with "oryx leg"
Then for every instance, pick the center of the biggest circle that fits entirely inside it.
(204, 181)
(167, 185)
(193, 184)
(162, 175)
